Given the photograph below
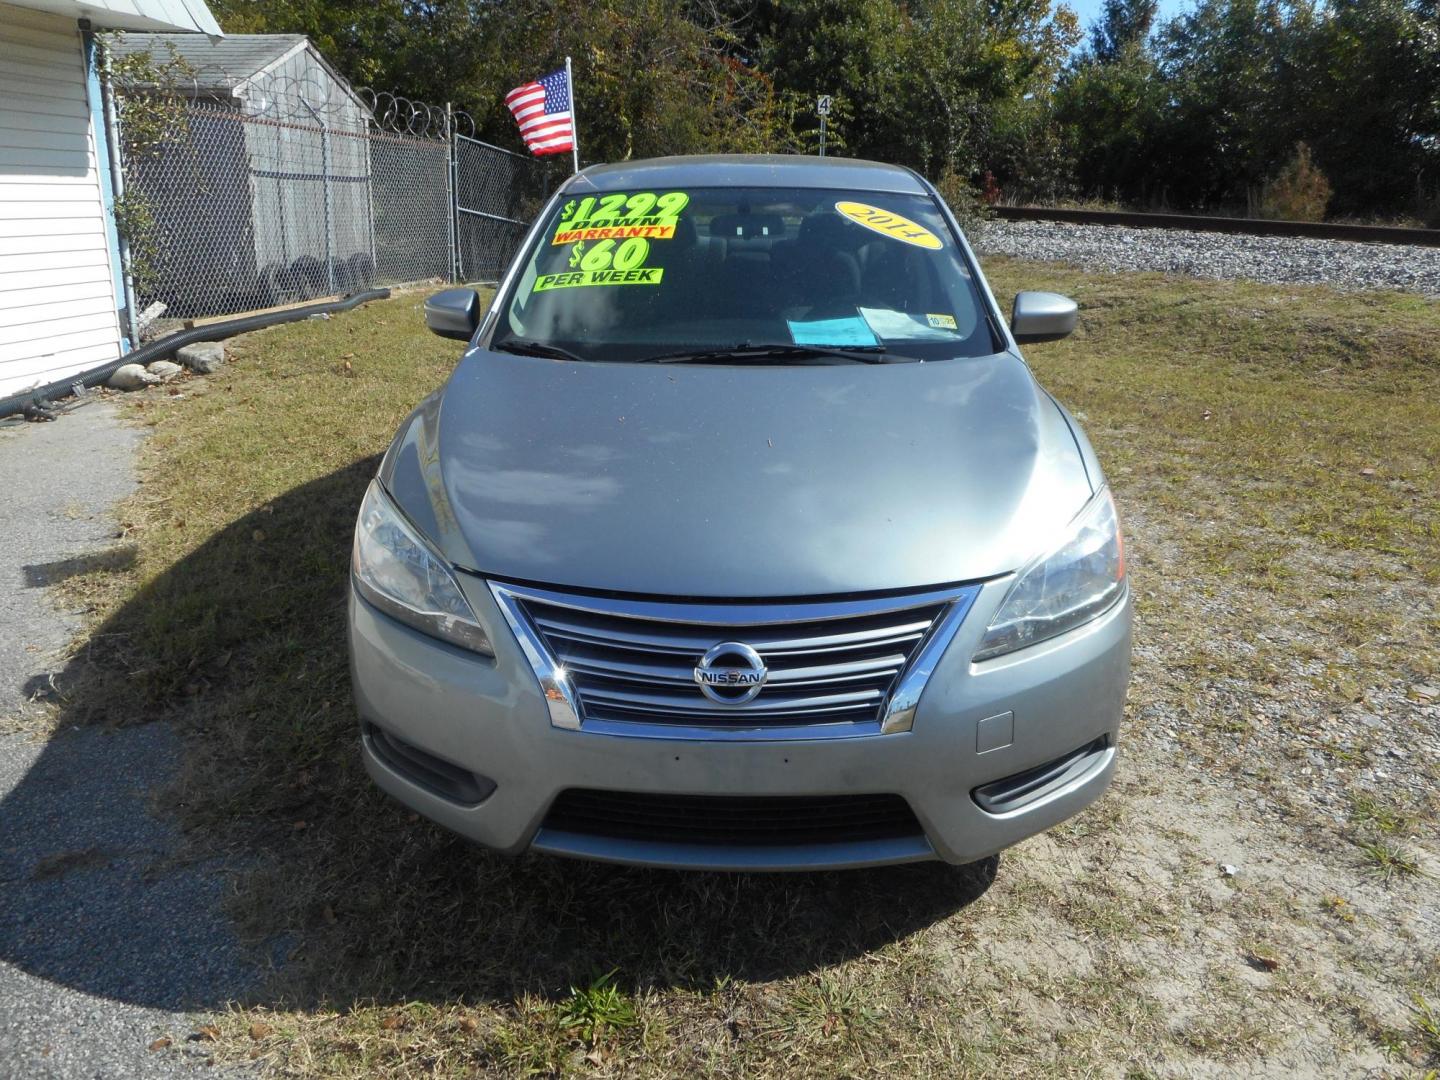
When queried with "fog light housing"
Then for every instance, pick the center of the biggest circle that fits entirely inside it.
(424, 769)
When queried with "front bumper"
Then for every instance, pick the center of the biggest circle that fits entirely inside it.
(487, 716)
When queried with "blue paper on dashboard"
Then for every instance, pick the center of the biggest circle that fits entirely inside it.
(848, 330)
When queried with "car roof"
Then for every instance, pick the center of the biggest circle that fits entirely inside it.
(748, 170)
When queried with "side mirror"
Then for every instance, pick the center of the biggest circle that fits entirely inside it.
(454, 313)
(1041, 316)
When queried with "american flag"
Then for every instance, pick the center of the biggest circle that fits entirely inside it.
(542, 109)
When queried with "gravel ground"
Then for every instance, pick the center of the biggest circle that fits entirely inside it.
(109, 938)
(1282, 260)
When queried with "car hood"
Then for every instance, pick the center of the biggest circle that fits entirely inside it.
(738, 481)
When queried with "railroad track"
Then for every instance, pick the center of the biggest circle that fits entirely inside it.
(1372, 234)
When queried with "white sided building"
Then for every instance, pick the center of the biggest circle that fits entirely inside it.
(61, 290)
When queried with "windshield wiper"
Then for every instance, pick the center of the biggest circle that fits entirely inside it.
(534, 348)
(860, 354)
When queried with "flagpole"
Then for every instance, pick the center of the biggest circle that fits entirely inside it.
(574, 126)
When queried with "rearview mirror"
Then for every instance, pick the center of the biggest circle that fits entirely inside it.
(454, 313)
(1042, 316)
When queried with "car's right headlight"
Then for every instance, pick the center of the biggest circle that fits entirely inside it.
(395, 569)
(1077, 579)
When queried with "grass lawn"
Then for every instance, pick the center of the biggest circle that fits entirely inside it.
(1274, 454)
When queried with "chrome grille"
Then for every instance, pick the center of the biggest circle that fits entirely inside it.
(835, 668)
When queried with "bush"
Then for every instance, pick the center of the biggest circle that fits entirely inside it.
(964, 200)
(1426, 209)
(1300, 192)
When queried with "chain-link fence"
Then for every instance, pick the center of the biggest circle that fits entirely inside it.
(232, 210)
(497, 194)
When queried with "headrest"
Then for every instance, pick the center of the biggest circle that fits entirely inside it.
(685, 234)
(829, 228)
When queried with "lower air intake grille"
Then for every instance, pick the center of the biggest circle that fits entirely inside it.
(742, 821)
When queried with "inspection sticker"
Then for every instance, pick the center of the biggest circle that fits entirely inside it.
(942, 322)
(889, 224)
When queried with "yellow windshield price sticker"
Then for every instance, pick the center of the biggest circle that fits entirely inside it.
(621, 216)
(569, 280)
(615, 232)
(890, 224)
(605, 263)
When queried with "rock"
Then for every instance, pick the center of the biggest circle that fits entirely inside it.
(131, 377)
(149, 315)
(1342, 264)
(203, 357)
(164, 370)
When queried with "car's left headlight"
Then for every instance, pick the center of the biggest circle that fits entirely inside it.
(395, 569)
(1073, 582)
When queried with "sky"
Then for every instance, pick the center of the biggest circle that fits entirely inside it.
(1089, 10)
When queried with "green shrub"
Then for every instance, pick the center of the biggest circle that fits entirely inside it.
(1299, 192)
(964, 200)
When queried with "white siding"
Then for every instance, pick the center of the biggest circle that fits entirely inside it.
(135, 14)
(57, 299)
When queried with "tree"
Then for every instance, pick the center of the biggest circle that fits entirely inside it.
(1111, 112)
(1231, 87)
(1233, 98)
(1198, 112)
(653, 78)
(1124, 27)
(1372, 104)
(944, 86)
(1109, 102)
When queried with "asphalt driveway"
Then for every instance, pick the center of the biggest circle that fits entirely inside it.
(110, 938)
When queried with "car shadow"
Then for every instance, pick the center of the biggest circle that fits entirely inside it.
(339, 894)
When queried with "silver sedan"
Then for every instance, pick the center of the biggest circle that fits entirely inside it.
(742, 538)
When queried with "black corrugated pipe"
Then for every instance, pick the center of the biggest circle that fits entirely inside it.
(165, 346)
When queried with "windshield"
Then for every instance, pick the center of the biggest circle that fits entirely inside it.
(636, 275)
